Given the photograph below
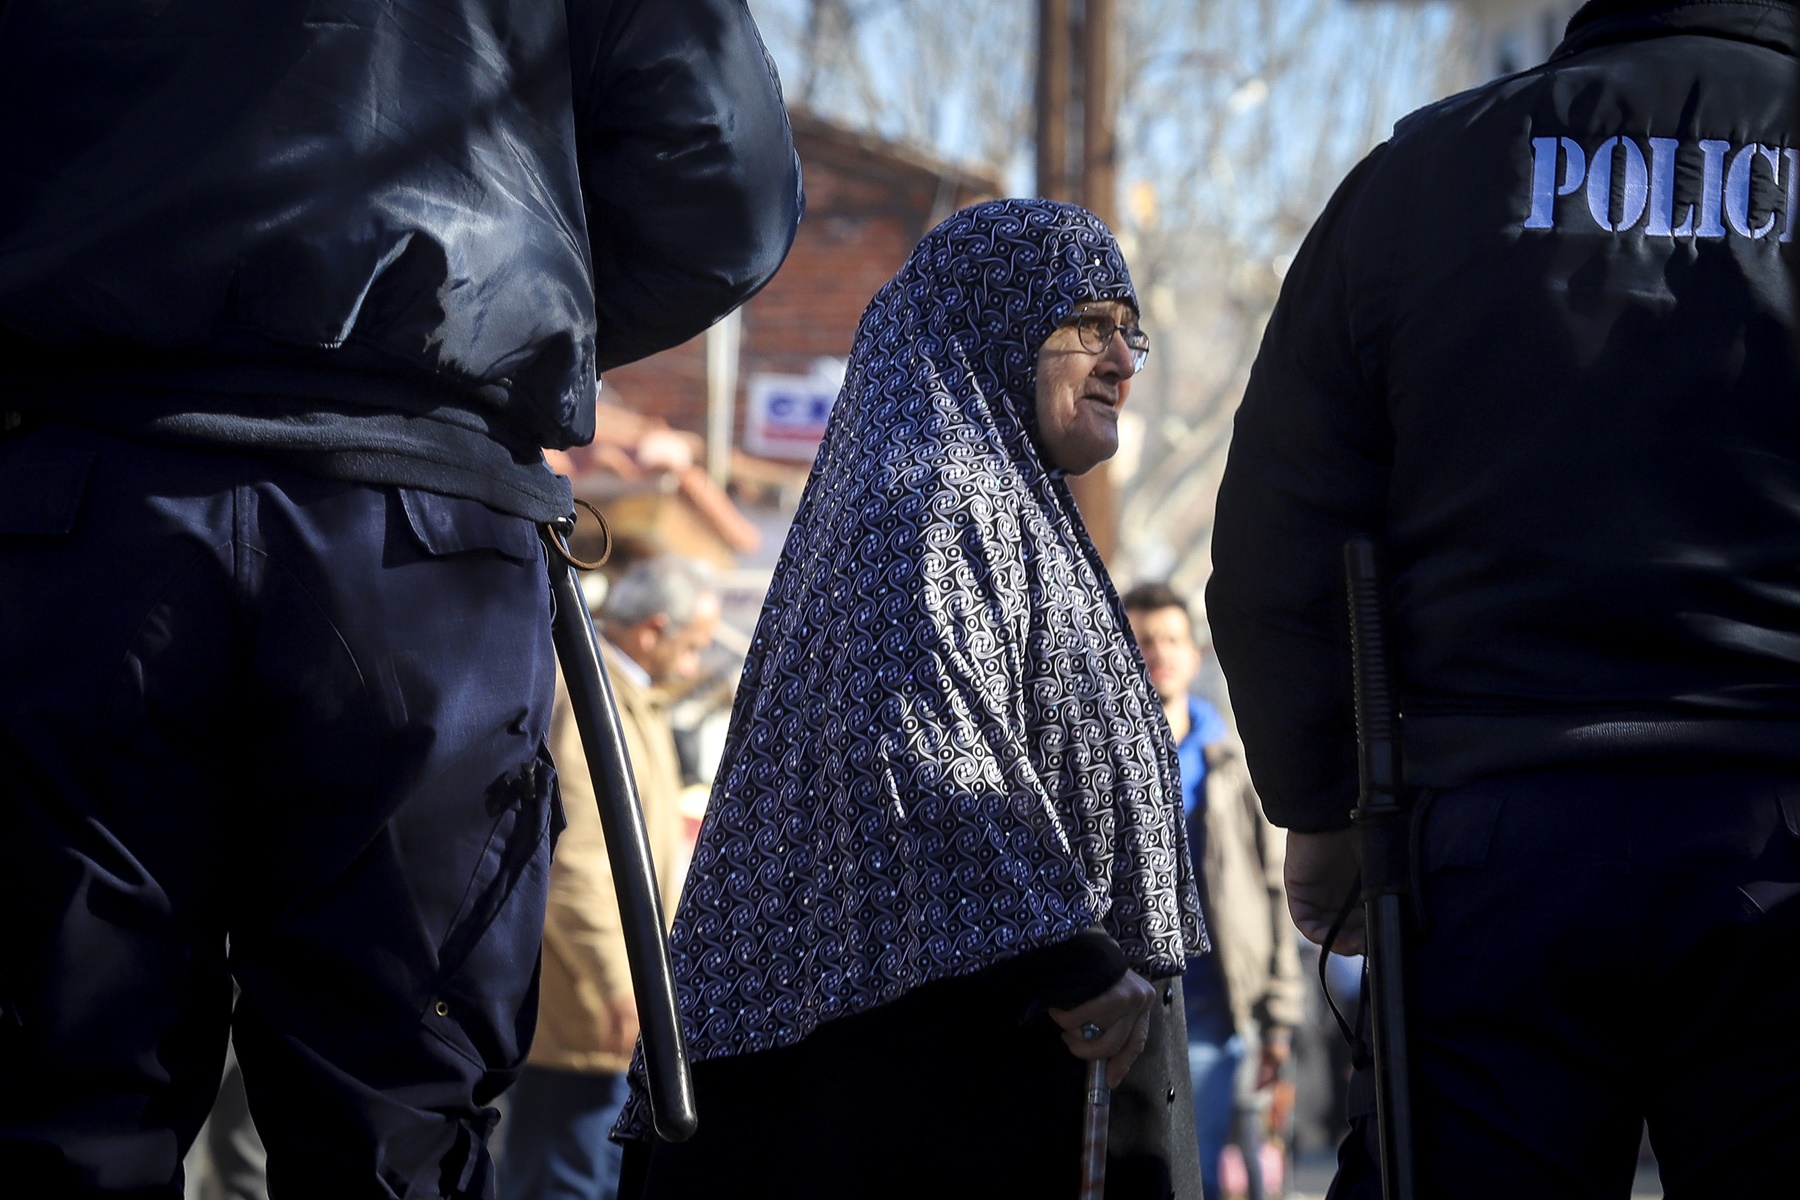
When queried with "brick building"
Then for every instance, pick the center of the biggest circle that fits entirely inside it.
(868, 201)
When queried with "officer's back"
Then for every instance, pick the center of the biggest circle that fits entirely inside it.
(1564, 388)
(1541, 344)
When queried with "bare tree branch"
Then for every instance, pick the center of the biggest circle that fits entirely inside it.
(1236, 122)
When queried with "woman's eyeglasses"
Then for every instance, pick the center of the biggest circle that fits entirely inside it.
(1096, 331)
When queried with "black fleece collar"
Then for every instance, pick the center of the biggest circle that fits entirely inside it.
(1771, 23)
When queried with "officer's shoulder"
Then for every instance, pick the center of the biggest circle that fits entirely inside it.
(1464, 108)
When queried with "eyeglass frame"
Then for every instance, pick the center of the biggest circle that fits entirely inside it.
(1086, 322)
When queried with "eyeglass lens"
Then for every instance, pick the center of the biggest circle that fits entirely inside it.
(1097, 329)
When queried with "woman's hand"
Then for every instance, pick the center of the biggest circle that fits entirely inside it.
(1122, 1015)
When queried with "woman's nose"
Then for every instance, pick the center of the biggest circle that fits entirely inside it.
(1119, 357)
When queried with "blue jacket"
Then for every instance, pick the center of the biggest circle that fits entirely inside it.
(396, 242)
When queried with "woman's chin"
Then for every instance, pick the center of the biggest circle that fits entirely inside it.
(1085, 459)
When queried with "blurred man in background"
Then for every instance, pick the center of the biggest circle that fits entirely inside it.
(657, 619)
(1243, 999)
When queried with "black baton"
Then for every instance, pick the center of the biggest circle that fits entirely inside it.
(671, 1082)
(1381, 838)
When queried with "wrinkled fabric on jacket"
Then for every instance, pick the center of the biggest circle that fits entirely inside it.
(393, 243)
(945, 750)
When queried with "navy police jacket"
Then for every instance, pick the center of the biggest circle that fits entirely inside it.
(397, 243)
(1541, 344)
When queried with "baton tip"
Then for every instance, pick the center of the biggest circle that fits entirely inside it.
(677, 1128)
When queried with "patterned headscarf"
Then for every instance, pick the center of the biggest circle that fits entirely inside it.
(945, 750)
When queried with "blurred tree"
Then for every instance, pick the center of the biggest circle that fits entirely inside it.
(954, 76)
(1237, 120)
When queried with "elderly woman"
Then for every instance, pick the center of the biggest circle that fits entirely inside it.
(945, 858)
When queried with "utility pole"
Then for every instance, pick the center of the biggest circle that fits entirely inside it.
(1099, 112)
(1059, 75)
(1054, 78)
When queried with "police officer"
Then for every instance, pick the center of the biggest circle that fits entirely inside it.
(1541, 344)
(291, 295)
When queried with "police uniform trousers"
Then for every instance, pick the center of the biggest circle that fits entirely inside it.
(1603, 950)
(960, 1089)
(261, 725)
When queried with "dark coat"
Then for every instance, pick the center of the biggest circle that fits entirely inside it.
(960, 1089)
(1542, 343)
(412, 234)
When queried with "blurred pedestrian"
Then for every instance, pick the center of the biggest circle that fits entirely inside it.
(658, 617)
(947, 802)
(1541, 344)
(1245, 998)
(290, 297)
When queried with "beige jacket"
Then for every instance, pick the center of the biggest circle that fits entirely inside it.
(584, 942)
(1246, 913)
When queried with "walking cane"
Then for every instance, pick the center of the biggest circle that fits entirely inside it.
(1088, 965)
(671, 1083)
(1096, 1118)
(1381, 838)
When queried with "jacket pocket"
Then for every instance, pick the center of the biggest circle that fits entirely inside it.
(446, 525)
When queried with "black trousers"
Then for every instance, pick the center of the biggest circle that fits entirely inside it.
(945, 1092)
(1604, 950)
(244, 706)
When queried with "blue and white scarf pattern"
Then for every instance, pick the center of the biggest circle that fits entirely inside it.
(945, 749)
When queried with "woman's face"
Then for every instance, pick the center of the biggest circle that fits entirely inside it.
(1080, 393)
